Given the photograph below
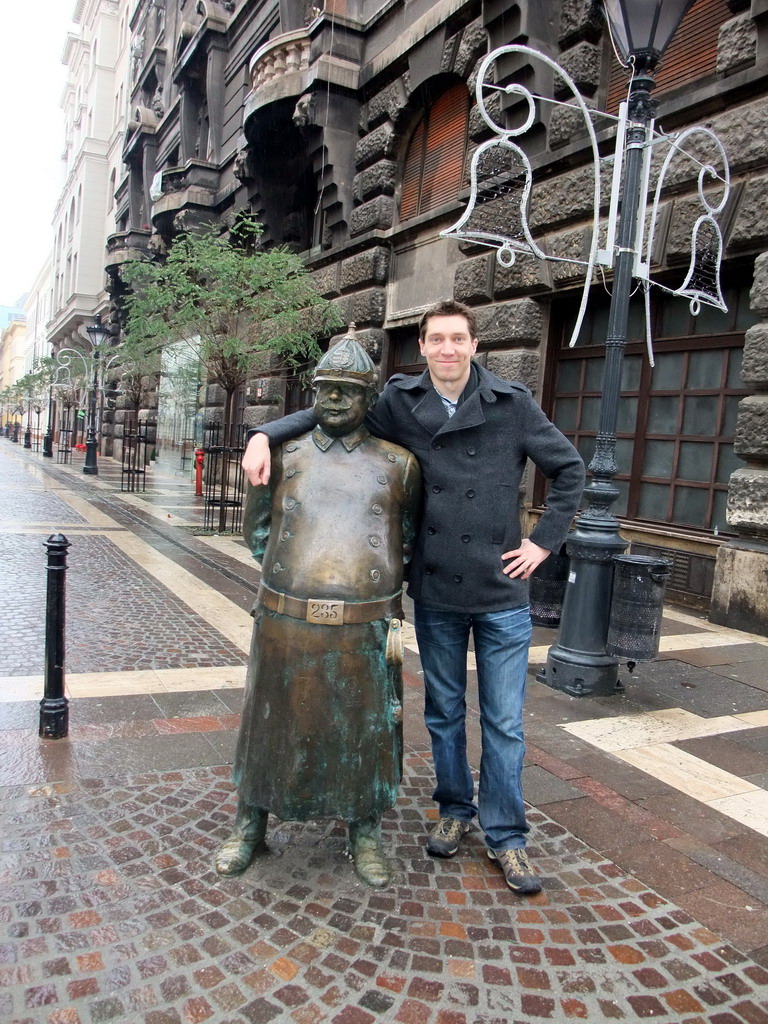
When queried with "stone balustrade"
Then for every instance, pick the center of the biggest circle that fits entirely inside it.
(285, 55)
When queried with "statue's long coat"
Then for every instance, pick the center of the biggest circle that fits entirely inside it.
(321, 732)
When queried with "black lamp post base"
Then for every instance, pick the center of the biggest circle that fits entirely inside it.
(48, 446)
(54, 718)
(582, 675)
(91, 470)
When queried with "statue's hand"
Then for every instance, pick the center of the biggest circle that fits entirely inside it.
(257, 460)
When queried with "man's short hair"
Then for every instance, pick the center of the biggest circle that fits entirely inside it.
(449, 307)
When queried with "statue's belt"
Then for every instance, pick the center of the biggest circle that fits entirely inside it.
(329, 612)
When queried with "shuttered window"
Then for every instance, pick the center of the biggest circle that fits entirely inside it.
(433, 171)
(692, 53)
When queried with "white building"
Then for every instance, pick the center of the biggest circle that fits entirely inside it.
(94, 110)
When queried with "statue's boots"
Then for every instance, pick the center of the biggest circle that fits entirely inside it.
(371, 866)
(238, 851)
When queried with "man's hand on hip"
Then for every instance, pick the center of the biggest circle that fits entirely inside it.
(524, 559)
(257, 460)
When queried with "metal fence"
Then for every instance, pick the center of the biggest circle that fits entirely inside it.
(133, 475)
(224, 480)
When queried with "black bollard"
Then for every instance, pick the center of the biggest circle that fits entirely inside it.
(54, 707)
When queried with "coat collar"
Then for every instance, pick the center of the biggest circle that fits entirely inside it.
(430, 411)
(350, 441)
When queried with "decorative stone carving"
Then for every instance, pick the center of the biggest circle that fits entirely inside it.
(304, 112)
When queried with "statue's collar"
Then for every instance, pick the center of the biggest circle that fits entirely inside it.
(350, 441)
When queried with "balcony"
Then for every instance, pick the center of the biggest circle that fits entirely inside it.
(283, 67)
(124, 246)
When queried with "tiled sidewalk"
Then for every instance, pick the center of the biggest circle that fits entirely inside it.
(656, 890)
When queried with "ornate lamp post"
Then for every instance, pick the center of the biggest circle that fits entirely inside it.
(578, 663)
(48, 438)
(502, 176)
(98, 335)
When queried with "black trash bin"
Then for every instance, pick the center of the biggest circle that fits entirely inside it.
(637, 604)
(547, 589)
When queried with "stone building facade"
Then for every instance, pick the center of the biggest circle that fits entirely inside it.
(347, 126)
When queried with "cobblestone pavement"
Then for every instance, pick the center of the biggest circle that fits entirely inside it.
(111, 912)
(648, 812)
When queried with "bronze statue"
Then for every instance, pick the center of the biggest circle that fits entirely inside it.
(321, 731)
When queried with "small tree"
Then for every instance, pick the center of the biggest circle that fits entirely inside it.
(239, 308)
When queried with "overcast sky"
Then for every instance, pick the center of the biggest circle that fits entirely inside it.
(32, 133)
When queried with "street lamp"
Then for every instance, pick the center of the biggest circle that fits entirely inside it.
(48, 438)
(579, 663)
(98, 335)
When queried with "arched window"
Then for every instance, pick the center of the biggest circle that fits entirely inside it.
(111, 190)
(433, 172)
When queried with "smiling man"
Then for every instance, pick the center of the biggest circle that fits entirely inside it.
(472, 434)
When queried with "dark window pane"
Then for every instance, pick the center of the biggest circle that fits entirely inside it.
(675, 318)
(662, 417)
(659, 459)
(569, 375)
(624, 450)
(625, 421)
(700, 416)
(705, 370)
(745, 317)
(719, 518)
(599, 331)
(728, 462)
(566, 411)
(668, 372)
(690, 506)
(729, 417)
(636, 322)
(590, 413)
(586, 447)
(695, 461)
(630, 373)
(593, 377)
(620, 505)
(734, 368)
(712, 321)
(653, 502)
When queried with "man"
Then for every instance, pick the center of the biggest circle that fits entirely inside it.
(472, 434)
(321, 731)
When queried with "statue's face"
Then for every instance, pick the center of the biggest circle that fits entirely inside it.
(340, 407)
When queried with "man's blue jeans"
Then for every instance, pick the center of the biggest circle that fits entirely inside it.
(501, 652)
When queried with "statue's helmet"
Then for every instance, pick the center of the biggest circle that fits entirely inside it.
(346, 361)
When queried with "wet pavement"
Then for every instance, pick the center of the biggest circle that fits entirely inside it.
(649, 814)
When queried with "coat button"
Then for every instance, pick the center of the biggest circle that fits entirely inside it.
(457, 578)
(376, 509)
(429, 571)
(391, 457)
(471, 451)
(375, 575)
(289, 473)
(470, 493)
(290, 503)
(436, 445)
(374, 542)
(431, 531)
(436, 489)
(381, 478)
(466, 538)
(285, 535)
(291, 447)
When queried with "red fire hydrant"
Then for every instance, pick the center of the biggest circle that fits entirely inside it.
(199, 461)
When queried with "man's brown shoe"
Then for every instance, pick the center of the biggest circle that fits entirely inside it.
(518, 873)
